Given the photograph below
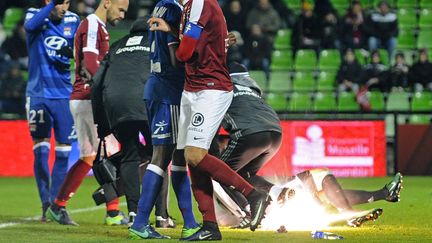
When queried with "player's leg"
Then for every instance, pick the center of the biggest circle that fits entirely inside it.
(163, 220)
(40, 123)
(163, 139)
(62, 123)
(390, 192)
(207, 110)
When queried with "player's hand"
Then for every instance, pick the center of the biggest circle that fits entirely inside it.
(66, 51)
(231, 39)
(158, 24)
(57, 2)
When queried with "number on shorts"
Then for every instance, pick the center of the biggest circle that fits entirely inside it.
(34, 113)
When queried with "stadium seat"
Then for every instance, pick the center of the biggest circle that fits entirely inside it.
(406, 39)
(361, 58)
(325, 101)
(407, 17)
(421, 101)
(406, 3)
(398, 100)
(277, 100)
(376, 100)
(424, 39)
(283, 39)
(329, 60)
(279, 81)
(305, 60)
(326, 80)
(304, 81)
(300, 102)
(281, 60)
(259, 77)
(293, 4)
(347, 102)
(420, 119)
(425, 21)
(384, 56)
(11, 17)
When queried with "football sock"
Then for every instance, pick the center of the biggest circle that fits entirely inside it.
(73, 180)
(42, 175)
(335, 193)
(151, 184)
(60, 169)
(202, 188)
(162, 200)
(222, 173)
(181, 184)
(113, 205)
(356, 197)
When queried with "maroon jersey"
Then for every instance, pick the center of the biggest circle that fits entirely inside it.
(92, 38)
(207, 69)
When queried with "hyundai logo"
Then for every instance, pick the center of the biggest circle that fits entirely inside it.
(55, 42)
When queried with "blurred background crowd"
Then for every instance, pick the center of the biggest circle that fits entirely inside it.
(326, 51)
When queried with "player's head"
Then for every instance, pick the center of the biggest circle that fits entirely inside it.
(60, 9)
(115, 10)
(240, 75)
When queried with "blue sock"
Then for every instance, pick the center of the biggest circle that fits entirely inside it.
(59, 170)
(41, 171)
(151, 186)
(182, 189)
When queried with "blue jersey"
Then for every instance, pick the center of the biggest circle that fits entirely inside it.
(166, 82)
(49, 75)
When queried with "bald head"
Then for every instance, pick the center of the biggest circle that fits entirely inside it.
(115, 10)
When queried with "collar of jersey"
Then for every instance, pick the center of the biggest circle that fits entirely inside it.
(97, 18)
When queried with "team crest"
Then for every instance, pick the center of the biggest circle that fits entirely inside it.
(67, 31)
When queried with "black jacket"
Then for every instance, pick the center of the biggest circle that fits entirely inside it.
(421, 73)
(117, 92)
(349, 71)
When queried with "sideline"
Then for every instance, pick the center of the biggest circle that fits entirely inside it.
(79, 210)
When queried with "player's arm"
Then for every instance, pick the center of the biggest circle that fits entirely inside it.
(35, 22)
(90, 50)
(172, 50)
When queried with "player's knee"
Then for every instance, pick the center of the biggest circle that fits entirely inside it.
(88, 159)
(179, 158)
(194, 155)
(162, 155)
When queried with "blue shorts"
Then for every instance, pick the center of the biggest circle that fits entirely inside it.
(45, 114)
(163, 120)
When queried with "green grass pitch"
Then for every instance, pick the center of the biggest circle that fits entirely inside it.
(407, 221)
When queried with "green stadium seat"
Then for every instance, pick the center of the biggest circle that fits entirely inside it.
(406, 39)
(407, 17)
(293, 4)
(281, 60)
(347, 102)
(398, 100)
(406, 3)
(361, 58)
(300, 102)
(277, 100)
(305, 60)
(421, 101)
(384, 56)
(366, 3)
(326, 80)
(304, 81)
(259, 77)
(279, 81)
(424, 39)
(426, 3)
(420, 119)
(325, 101)
(376, 100)
(11, 17)
(425, 21)
(329, 60)
(283, 39)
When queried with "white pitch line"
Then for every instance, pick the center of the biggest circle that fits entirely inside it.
(79, 210)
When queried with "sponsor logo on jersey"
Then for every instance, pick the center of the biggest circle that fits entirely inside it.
(70, 19)
(133, 41)
(53, 44)
(133, 49)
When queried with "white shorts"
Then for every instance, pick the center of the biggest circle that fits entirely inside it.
(201, 113)
(86, 130)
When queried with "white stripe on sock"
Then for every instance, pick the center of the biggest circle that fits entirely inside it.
(178, 168)
(46, 144)
(156, 169)
(63, 148)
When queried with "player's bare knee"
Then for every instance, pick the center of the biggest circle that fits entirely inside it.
(194, 155)
(178, 158)
(88, 159)
(162, 155)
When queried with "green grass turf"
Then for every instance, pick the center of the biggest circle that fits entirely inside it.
(407, 221)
